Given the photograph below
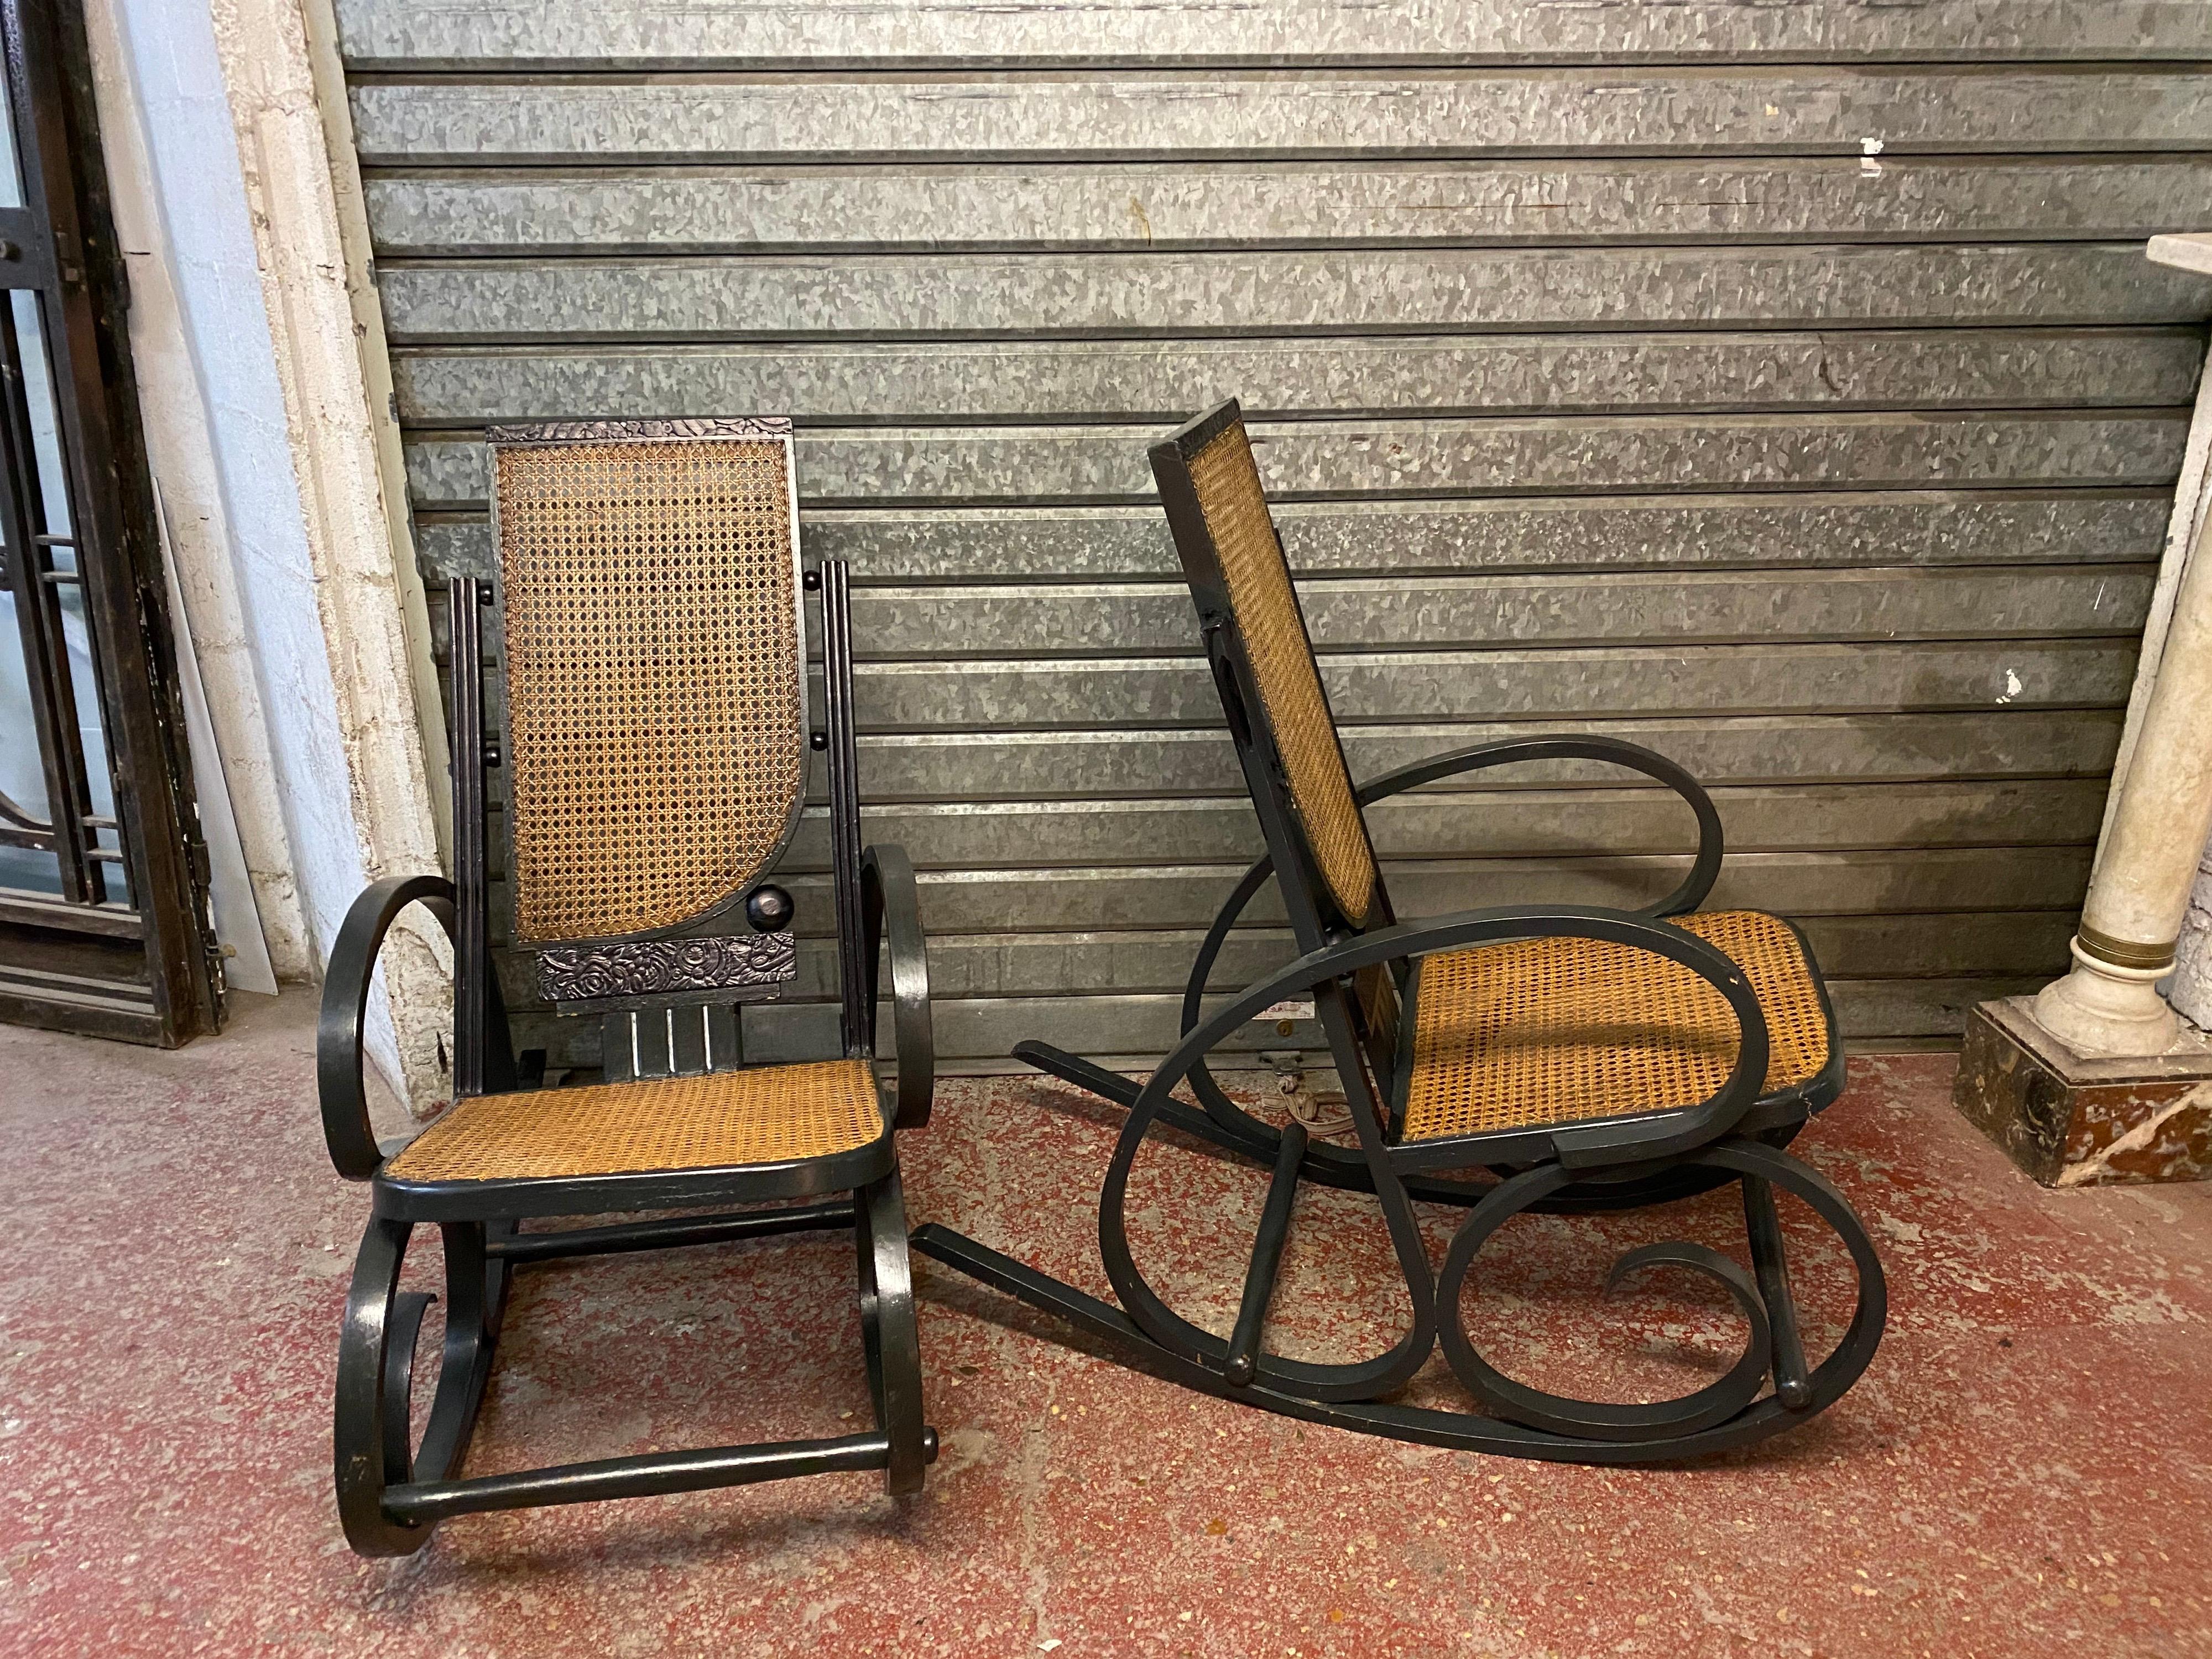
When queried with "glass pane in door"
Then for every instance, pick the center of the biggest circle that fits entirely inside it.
(11, 172)
(52, 560)
(22, 774)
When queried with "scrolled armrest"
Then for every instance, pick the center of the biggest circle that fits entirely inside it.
(346, 1127)
(1685, 898)
(890, 909)
(1669, 1133)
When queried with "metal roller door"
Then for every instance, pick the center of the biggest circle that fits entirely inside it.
(1781, 386)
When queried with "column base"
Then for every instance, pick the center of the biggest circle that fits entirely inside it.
(2101, 1008)
(2074, 1120)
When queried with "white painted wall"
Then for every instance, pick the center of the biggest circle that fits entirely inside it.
(263, 930)
(245, 495)
(265, 447)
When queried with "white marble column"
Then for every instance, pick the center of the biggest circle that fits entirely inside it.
(2160, 816)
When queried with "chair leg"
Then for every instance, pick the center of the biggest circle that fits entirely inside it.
(889, 1332)
(371, 1448)
(1731, 1404)
(1590, 1419)
(1793, 1386)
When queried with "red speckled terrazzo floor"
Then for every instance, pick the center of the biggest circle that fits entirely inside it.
(2025, 1469)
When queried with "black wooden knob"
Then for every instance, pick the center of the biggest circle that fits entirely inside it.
(769, 909)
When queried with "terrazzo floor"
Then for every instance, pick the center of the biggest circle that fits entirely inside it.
(2025, 1469)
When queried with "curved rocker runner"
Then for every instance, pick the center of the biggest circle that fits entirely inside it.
(1584, 1059)
(670, 613)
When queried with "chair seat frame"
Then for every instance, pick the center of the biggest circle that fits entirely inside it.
(1636, 1158)
(393, 1491)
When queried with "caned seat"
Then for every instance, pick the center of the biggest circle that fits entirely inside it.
(721, 1120)
(1565, 1029)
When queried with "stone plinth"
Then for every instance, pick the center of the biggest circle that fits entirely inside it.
(2069, 1120)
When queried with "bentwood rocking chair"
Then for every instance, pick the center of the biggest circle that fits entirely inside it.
(655, 744)
(1588, 1059)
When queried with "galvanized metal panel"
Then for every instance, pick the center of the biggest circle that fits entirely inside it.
(1132, 1032)
(1078, 693)
(1134, 764)
(1500, 821)
(1732, 750)
(1113, 618)
(953, 382)
(967, 965)
(1157, 961)
(1059, 654)
(1791, 109)
(1588, 454)
(1845, 501)
(1183, 896)
(1834, 530)
(1936, 1008)
(930, 33)
(1256, 291)
(1496, 821)
(1145, 204)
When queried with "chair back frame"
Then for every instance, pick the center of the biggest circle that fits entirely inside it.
(751, 432)
(1370, 1018)
(1316, 916)
(752, 967)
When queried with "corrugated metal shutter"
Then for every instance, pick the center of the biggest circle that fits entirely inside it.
(1782, 387)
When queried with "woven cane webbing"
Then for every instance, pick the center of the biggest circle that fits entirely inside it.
(762, 1115)
(653, 666)
(1557, 1030)
(1260, 592)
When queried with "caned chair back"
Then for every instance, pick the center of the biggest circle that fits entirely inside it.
(655, 664)
(1234, 560)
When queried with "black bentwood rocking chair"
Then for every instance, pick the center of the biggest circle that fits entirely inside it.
(1592, 1059)
(656, 749)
